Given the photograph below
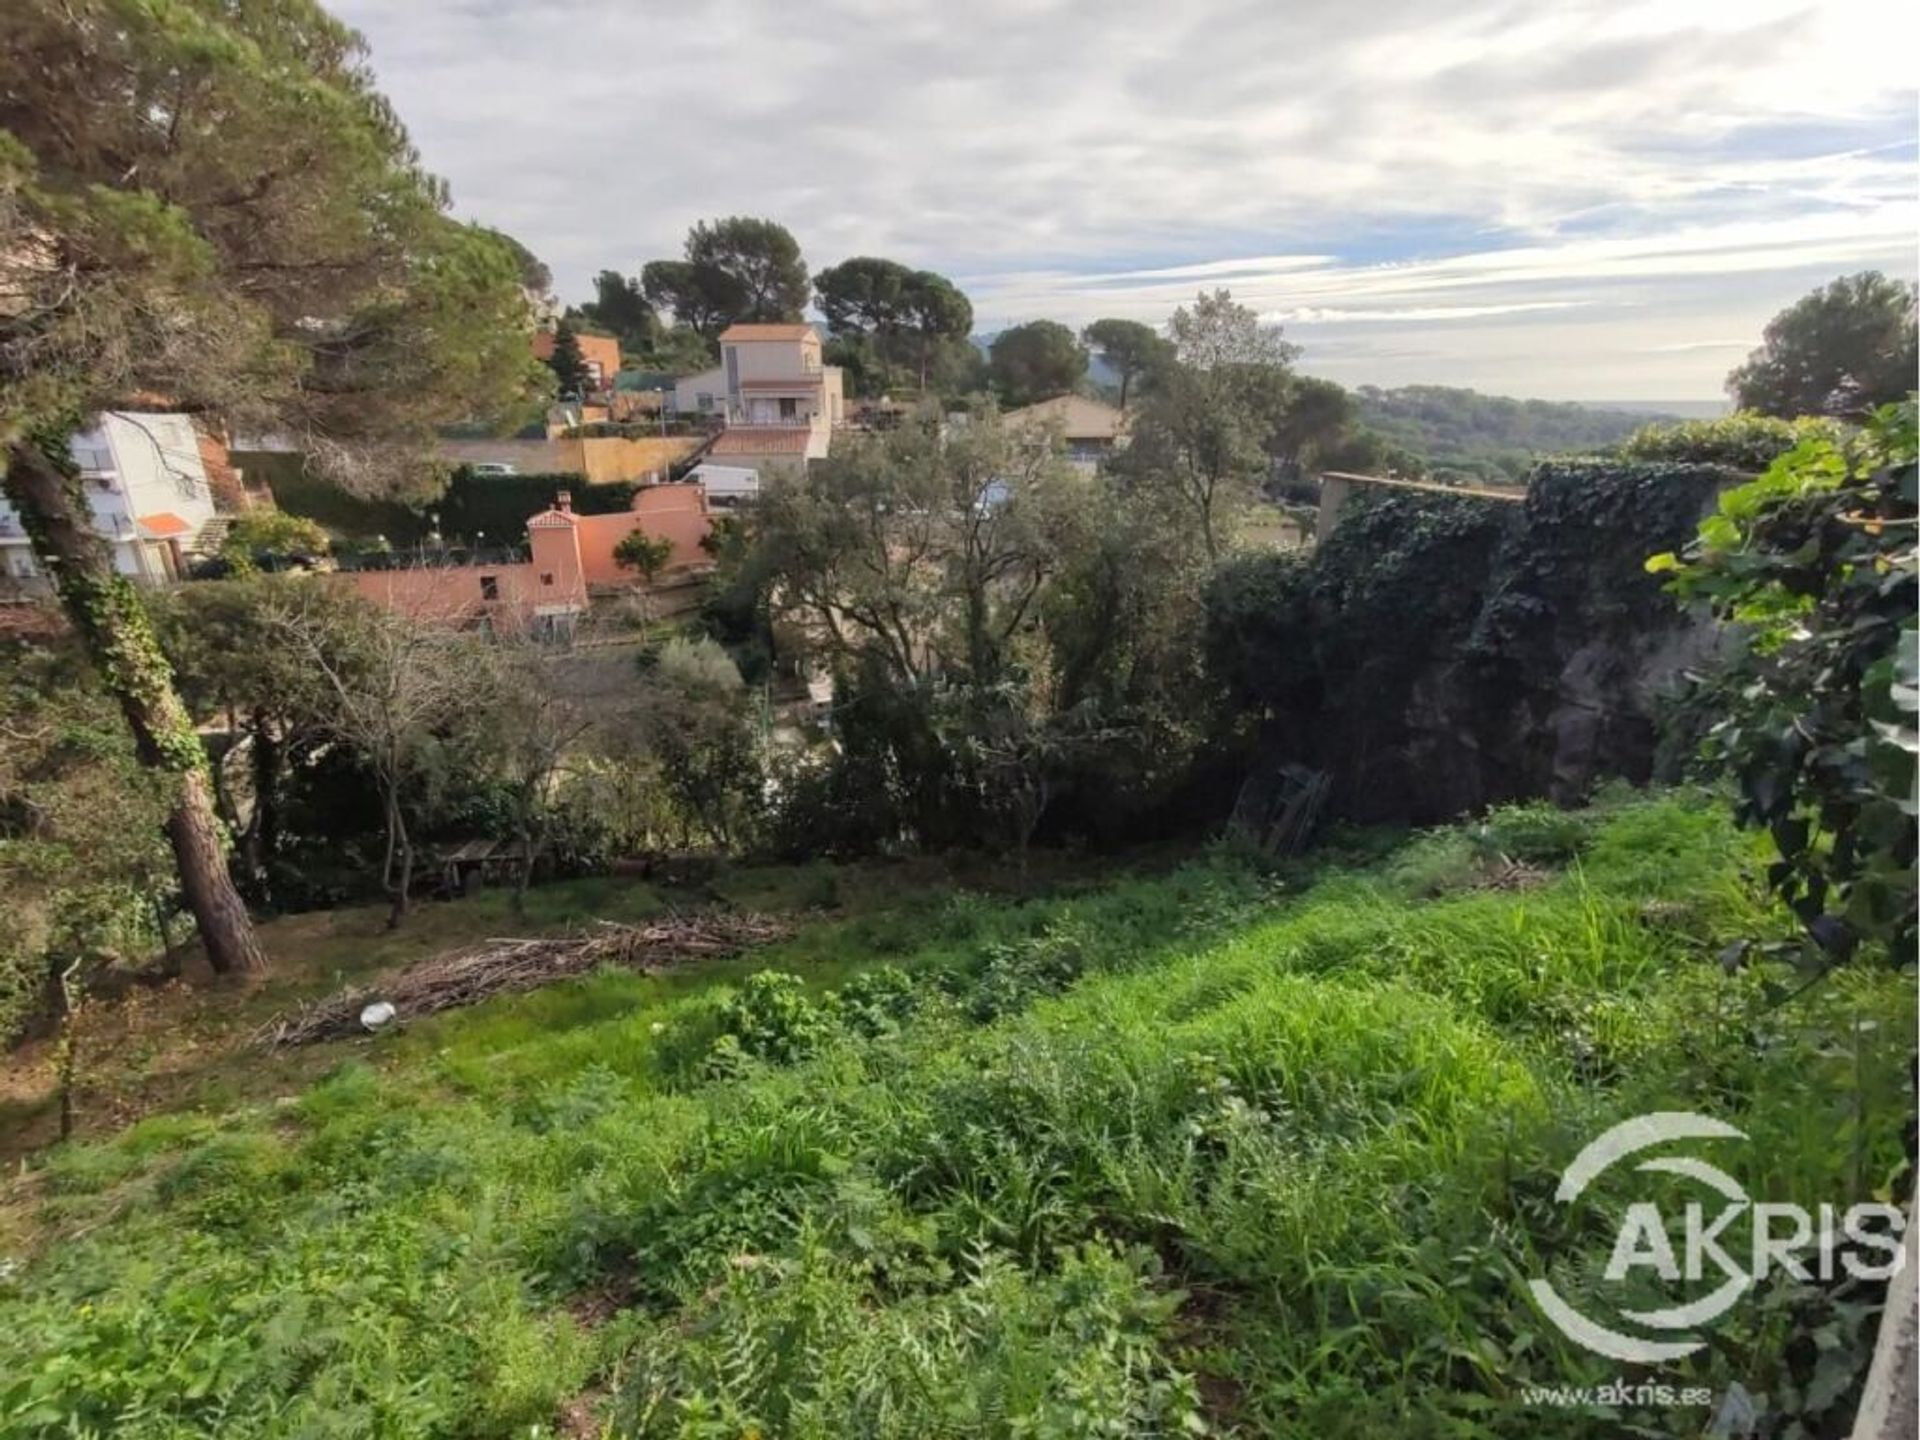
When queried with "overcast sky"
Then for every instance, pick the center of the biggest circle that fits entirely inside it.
(1583, 199)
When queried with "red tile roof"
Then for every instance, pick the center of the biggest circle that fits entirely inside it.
(765, 332)
(753, 440)
(798, 382)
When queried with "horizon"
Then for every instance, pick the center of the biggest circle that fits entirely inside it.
(1600, 200)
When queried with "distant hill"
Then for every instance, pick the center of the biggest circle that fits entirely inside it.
(1491, 437)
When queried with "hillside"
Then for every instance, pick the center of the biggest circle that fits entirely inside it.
(1204, 1152)
(1488, 437)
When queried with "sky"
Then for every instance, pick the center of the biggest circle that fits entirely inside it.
(1583, 199)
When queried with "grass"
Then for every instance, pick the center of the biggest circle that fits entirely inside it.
(1180, 1153)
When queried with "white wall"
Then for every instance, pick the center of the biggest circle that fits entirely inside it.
(689, 388)
(134, 465)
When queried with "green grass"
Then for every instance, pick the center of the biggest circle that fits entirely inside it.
(1195, 1152)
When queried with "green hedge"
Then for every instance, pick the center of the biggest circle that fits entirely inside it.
(500, 504)
(497, 505)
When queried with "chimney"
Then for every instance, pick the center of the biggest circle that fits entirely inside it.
(564, 501)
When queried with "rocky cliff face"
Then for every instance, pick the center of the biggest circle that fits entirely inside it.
(1439, 654)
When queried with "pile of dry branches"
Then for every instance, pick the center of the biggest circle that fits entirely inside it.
(497, 967)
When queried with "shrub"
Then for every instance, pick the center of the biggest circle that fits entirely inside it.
(771, 1018)
(1744, 440)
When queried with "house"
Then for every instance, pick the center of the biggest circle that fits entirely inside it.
(600, 352)
(571, 560)
(148, 488)
(778, 402)
(1093, 430)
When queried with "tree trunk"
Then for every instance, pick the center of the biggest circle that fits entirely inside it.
(105, 611)
(400, 853)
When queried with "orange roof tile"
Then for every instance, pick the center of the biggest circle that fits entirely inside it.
(765, 332)
(163, 525)
(756, 441)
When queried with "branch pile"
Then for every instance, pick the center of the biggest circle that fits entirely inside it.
(498, 967)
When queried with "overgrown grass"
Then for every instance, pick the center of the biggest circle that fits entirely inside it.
(1202, 1152)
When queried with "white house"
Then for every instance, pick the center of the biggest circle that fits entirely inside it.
(147, 487)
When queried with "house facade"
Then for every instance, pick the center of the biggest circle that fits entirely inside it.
(777, 399)
(601, 353)
(1092, 429)
(149, 493)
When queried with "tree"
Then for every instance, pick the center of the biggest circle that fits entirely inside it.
(388, 686)
(620, 306)
(1319, 415)
(222, 211)
(569, 366)
(937, 314)
(1842, 350)
(1036, 361)
(238, 677)
(1133, 349)
(644, 553)
(1206, 432)
(1816, 561)
(763, 260)
(536, 711)
(272, 536)
(699, 726)
(902, 315)
(863, 296)
(701, 298)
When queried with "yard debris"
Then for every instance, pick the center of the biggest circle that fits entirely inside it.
(497, 967)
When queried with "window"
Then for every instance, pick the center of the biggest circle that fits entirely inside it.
(704, 400)
(546, 577)
(489, 587)
(789, 409)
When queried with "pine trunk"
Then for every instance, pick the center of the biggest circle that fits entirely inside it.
(105, 611)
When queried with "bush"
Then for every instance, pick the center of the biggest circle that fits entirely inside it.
(771, 1018)
(1744, 440)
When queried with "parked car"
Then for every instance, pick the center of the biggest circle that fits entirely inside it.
(493, 467)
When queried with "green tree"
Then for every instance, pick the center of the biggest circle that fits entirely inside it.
(938, 316)
(620, 307)
(1744, 440)
(1036, 361)
(646, 554)
(1206, 433)
(1319, 415)
(223, 211)
(863, 296)
(760, 257)
(700, 298)
(1841, 350)
(271, 535)
(899, 315)
(1816, 562)
(699, 725)
(1133, 349)
(569, 366)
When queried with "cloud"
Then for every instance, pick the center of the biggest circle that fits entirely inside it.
(1531, 164)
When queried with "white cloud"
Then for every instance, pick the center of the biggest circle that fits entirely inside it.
(1072, 159)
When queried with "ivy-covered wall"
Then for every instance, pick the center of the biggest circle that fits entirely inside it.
(1437, 653)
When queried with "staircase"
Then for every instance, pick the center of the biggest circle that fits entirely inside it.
(212, 536)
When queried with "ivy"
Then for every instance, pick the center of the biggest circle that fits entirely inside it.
(1815, 562)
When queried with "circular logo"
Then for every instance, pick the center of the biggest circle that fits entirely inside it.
(1643, 1239)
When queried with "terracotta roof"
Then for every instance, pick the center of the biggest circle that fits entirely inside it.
(765, 332)
(756, 441)
(553, 518)
(798, 382)
(163, 525)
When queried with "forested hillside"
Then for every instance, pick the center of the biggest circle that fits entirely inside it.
(1488, 437)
